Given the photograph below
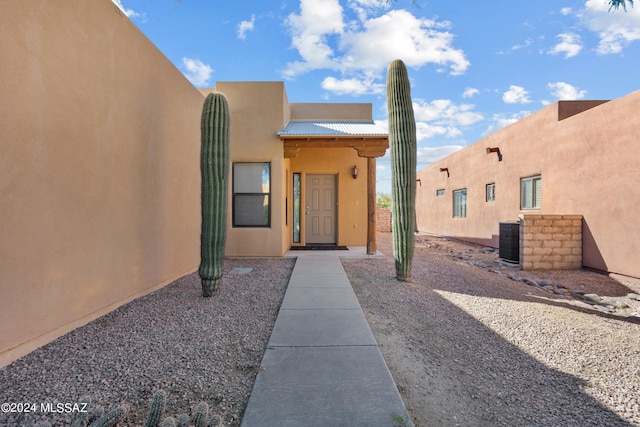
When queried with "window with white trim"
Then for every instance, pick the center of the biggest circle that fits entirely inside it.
(460, 203)
(440, 192)
(491, 192)
(531, 192)
(251, 194)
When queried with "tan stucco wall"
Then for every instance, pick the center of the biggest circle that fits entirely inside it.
(258, 111)
(99, 172)
(331, 111)
(352, 193)
(587, 162)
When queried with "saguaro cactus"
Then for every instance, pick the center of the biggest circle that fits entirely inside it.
(402, 143)
(214, 167)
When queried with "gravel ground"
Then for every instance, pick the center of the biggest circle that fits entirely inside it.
(196, 349)
(472, 342)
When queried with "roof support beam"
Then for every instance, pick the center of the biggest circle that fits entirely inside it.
(366, 147)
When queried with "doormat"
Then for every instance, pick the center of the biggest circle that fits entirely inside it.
(318, 247)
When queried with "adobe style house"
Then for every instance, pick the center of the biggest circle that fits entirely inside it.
(302, 174)
(568, 174)
(100, 169)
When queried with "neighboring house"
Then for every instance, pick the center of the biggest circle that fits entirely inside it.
(302, 174)
(570, 158)
(100, 177)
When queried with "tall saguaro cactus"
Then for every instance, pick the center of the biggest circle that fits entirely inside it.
(402, 142)
(214, 167)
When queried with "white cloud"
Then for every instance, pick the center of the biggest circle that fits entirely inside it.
(499, 121)
(363, 8)
(516, 95)
(424, 157)
(399, 34)
(425, 130)
(519, 46)
(317, 20)
(444, 111)
(364, 47)
(565, 91)
(470, 92)
(196, 71)
(570, 45)
(440, 118)
(615, 29)
(353, 86)
(428, 155)
(130, 13)
(566, 11)
(245, 26)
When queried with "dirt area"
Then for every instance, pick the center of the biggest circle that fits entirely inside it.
(472, 341)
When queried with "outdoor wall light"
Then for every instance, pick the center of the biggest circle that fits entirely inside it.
(445, 170)
(495, 150)
(354, 172)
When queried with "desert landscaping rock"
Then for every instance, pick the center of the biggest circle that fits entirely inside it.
(592, 298)
(466, 344)
(195, 348)
(469, 347)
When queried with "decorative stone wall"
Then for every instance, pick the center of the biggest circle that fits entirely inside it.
(383, 219)
(550, 242)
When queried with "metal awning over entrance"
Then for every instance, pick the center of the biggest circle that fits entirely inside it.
(367, 138)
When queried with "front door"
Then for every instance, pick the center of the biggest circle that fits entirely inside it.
(320, 209)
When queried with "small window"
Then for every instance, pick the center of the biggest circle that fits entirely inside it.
(491, 192)
(440, 192)
(531, 192)
(251, 194)
(460, 203)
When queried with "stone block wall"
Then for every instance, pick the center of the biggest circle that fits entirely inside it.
(383, 219)
(550, 242)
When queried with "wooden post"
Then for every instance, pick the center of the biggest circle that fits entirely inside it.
(371, 206)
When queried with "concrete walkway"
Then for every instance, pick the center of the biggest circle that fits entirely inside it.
(322, 366)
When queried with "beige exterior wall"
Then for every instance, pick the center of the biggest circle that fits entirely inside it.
(352, 193)
(100, 183)
(586, 153)
(258, 111)
(334, 111)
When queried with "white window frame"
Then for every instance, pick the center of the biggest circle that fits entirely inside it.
(490, 192)
(460, 203)
(531, 193)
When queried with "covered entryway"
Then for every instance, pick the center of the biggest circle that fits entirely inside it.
(319, 143)
(320, 209)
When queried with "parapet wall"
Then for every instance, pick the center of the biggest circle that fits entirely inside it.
(550, 242)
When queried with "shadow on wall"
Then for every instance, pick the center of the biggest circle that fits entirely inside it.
(591, 256)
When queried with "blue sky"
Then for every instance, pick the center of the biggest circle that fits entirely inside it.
(475, 66)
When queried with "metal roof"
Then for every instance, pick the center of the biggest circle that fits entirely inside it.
(332, 128)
